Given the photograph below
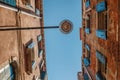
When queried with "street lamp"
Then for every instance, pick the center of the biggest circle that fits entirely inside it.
(65, 27)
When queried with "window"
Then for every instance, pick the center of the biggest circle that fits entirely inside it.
(86, 62)
(102, 25)
(99, 76)
(87, 50)
(40, 51)
(101, 67)
(42, 74)
(9, 2)
(37, 7)
(7, 73)
(88, 21)
(37, 4)
(87, 3)
(29, 56)
(86, 76)
(87, 30)
(102, 64)
(27, 3)
(102, 20)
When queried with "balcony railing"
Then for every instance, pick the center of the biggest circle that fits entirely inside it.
(87, 30)
(101, 34)
(87, 3)
(86, 62)
(101, 6)
(9, 2)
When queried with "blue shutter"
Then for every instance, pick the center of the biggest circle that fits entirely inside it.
(40, 52)
(100, 57)
(39, 38)
(101, 6)
(101, 34)
(13, 2)
(87, 47)
(43, 73)
(31, 45)
(37, 11)
(11, 73)
(9, 2)
(33, 64)
(86, 76)
(86, 62)
(87, 30)
(87, 3)
(99, 76)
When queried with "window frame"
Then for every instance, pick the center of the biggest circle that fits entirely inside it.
(29, 57)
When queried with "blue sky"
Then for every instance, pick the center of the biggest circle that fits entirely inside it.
(63, 51)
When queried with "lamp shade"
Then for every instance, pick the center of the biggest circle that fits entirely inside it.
(66, 26)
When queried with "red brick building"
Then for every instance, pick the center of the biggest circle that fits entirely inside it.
(22, 52)
(100, 39)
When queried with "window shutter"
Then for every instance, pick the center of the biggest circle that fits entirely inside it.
(29, 61)
(86, 76)
(101, 6)
(87, 47)
(99, 76)
(102, 21)
(12, 75)
(101, 34)
(87, 3)
(100, 57)
(86, 62)
(39, 38)
(9, 2)
(87, 30)
(42, 75)
(7, 73)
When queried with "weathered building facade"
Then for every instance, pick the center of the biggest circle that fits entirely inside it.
(22, 52)
(100, 39)
(80, 76)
